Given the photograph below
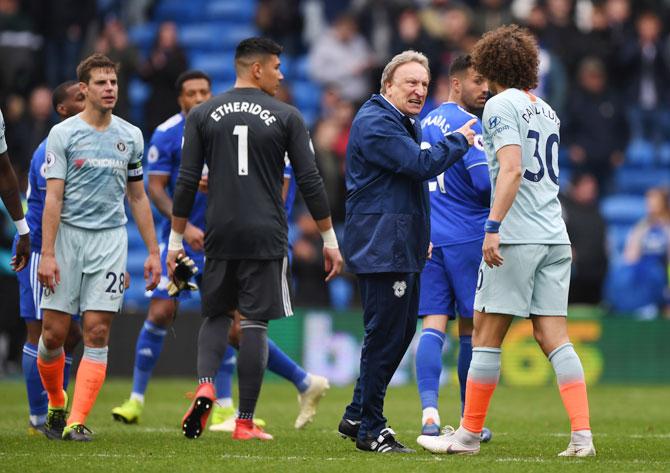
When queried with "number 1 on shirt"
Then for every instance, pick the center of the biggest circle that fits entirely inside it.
(242, 132)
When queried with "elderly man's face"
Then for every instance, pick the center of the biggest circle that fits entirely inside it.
(408, 88)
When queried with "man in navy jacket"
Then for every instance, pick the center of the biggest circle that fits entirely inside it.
(387, 232)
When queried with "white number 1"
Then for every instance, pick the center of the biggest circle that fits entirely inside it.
(242, 131)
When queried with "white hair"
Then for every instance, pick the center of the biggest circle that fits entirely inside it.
(400, 59)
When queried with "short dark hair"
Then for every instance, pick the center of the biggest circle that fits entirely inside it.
(256, 46)
(508, 56)
(189, 75)
(94, 61)
(60, 93)
(462, 63)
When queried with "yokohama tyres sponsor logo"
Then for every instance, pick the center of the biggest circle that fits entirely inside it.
(100, 163)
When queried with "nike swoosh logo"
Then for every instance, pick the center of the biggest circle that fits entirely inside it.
(451, 450)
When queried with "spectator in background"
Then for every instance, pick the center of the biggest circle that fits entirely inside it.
(307, 264)
(586, 228)
(40, 117)
(18, 47)
(596, 131)
(17, 127)
(64, 24)
(411, 35)
(561, 35)
(343, 56)
(114, 43)
(490, 14)
(282, 21)
(440, 86)
(646, 71)
(647, 252)
(166, 61)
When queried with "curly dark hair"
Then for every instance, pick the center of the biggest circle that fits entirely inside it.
(507, 56)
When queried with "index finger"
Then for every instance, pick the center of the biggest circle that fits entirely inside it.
(471, 122)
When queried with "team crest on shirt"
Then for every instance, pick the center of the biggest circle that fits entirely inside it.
(50, 159)
(494, 121)
(399, 288)
(121, 146)
(152, 154)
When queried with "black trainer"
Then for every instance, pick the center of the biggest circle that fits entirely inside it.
(385, 443)
(78, 433)
(348, 429)
(55, 423)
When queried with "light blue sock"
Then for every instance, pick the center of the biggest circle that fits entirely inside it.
(223, 382)
(37, 396)
(280, 363)
(464, 358)
(147, 351)
(429, 366)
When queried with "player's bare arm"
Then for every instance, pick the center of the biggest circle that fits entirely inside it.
(48, 273)
(141, 210)
(507, 186)
(9, 191)
(194, 236)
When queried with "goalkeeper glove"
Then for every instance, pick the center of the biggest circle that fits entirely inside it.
(183, 272)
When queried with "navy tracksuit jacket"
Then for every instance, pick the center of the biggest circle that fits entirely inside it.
(387, 232)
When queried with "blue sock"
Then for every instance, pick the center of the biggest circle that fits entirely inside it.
(37, 396)
(224, 377)
(147, 351)
(280, 363)
(429, 366)
(66, 371)
(464, 358)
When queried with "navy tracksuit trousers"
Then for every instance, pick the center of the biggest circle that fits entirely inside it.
(390, 307)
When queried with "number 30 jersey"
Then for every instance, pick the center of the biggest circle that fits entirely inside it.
(243, 135)
(515, 117)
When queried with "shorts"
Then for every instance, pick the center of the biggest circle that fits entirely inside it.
(533, 280)
(30, 289)
(92, 267)
(198, 258)
(259, 289)
(449, 280)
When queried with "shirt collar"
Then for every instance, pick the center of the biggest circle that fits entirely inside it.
(396, 109)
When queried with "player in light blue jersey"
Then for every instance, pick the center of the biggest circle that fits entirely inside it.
(67, 100)
(525, 270)
(93, 160)
(459, 205)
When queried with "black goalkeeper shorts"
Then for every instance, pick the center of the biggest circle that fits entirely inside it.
(259, 289)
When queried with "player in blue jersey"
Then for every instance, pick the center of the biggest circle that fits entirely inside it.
(164, 157)
(67, 101)
(459, 201)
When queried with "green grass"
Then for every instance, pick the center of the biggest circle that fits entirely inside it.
(631, 425)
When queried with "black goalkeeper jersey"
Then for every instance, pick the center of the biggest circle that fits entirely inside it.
(243, 135)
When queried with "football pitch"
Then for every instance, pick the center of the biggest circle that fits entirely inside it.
(631, 426)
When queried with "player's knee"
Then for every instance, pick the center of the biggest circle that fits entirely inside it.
(97, 336)
(52, 338)
(234, 334)
(161, 314)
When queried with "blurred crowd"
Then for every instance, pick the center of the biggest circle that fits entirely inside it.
(605, 65)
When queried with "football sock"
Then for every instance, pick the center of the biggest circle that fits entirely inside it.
(147, 350)
(37, 396)
(90, 376)
(464, 358)
(253, 358)
(212, 345)
(280, 363)
(224, 378)
(50, 364)
(482, 380)
(570, 377)
(66, 370)
(430, 413)
(429, 366)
